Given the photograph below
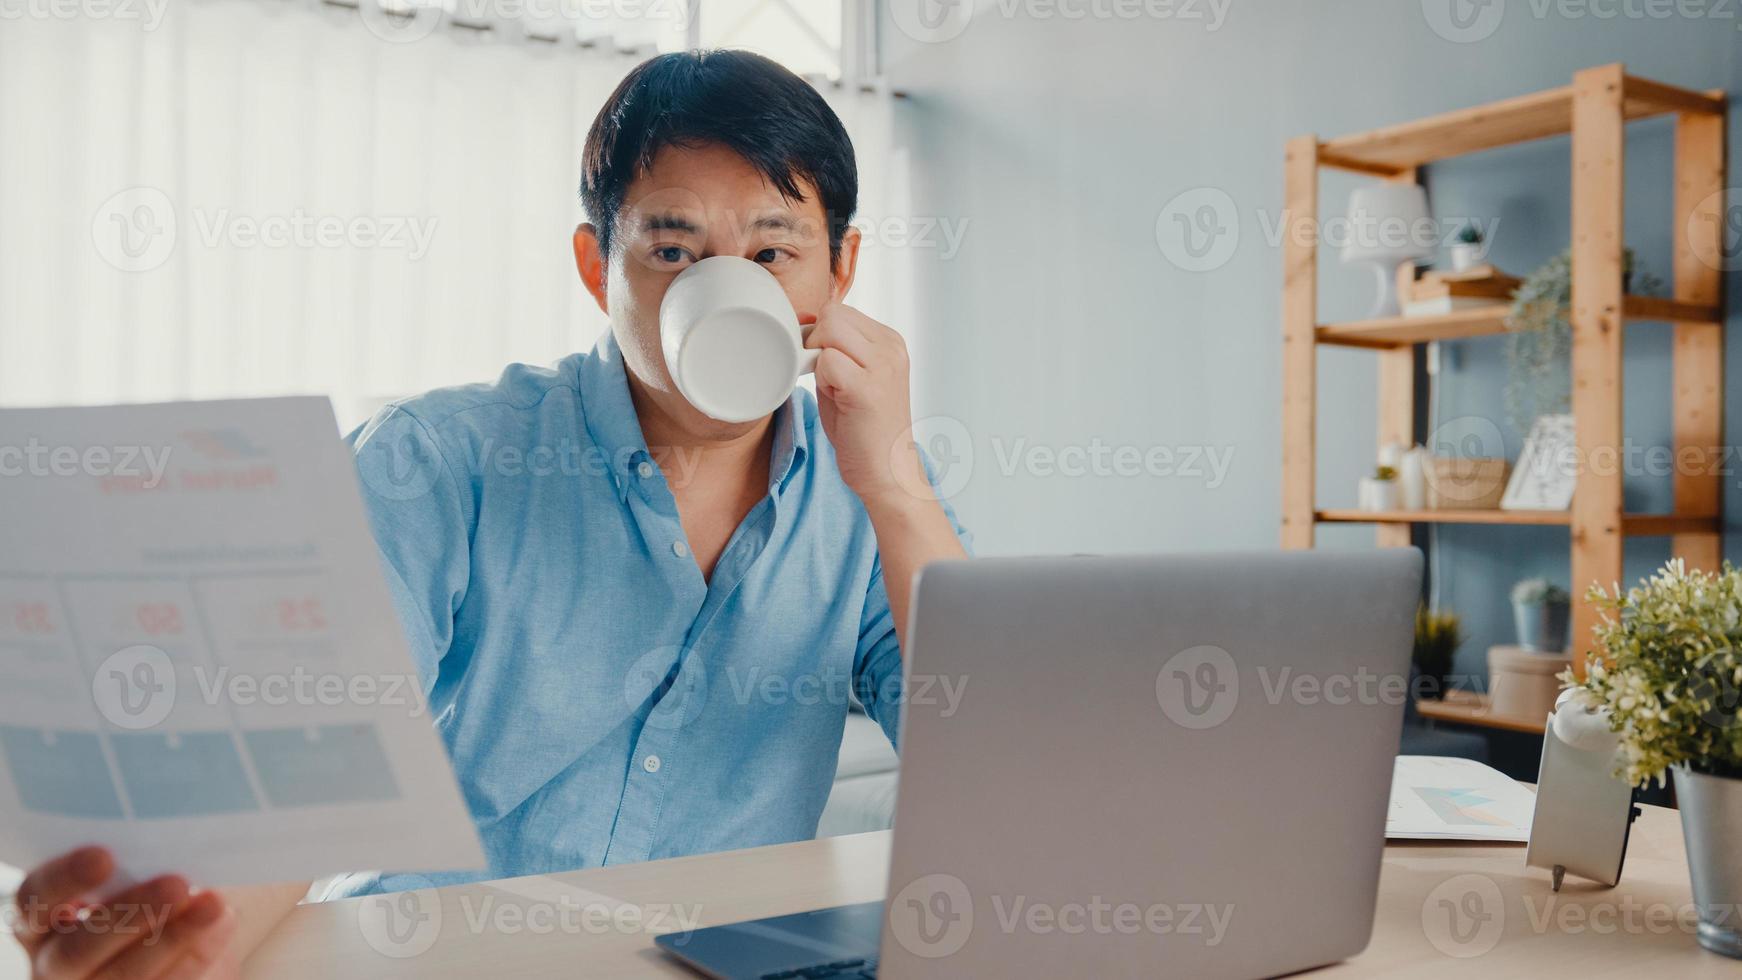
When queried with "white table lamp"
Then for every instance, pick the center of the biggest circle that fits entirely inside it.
(1388, 225)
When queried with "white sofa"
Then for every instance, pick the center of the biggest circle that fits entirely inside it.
(864, 794)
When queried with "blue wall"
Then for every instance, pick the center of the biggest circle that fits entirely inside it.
(1060, 320)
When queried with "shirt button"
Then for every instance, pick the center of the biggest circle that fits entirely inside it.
(645, 470)
(651, 763)
(680, 549)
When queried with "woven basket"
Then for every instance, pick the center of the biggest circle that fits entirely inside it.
(1466, 484)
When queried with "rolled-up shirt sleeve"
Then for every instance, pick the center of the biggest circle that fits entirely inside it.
(877, 679)
(420, 514)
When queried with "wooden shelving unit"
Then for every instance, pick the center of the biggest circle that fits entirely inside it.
(1406, 331)
(1468, 708)
(1594, 111)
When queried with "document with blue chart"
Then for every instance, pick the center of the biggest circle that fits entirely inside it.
(200, 663)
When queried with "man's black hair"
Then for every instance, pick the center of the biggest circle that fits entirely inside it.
(742, 101)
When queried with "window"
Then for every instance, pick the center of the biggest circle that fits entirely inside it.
(803, 35)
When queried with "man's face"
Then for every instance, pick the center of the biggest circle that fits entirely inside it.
(693, 203)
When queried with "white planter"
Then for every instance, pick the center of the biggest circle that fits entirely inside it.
(1375, 495)
(1465, 255)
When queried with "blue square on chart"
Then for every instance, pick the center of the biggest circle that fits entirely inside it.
(322, 765)
(60, 772)
(182, 775)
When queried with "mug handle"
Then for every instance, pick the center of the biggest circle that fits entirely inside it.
(807, 357)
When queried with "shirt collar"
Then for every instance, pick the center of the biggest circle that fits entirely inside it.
(609, 412)
(791, 440)
(611, 421)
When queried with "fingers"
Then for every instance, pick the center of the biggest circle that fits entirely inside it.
(49, 895)
(194, 940)
(835, 332)
(109, 927)
(838, 375)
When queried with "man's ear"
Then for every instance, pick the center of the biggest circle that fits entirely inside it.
(590, 262)
(846, 266)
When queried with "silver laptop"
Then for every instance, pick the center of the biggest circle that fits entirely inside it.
(1154, 766)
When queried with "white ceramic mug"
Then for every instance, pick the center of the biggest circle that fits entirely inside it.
(732, 340)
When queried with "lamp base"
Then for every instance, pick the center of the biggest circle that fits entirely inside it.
(1385, 303)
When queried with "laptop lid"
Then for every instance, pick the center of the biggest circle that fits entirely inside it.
(1147, 766)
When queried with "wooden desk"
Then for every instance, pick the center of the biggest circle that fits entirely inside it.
(1585, 931)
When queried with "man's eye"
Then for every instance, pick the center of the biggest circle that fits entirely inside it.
(669, 253)
(770, 255)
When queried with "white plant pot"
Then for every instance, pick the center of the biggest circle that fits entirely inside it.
(1465, 255)
(1375, 495)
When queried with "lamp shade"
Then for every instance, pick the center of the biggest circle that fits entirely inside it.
(1389, 222)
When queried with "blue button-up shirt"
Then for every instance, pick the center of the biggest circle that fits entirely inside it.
(600, 701)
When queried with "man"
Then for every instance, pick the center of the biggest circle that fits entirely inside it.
(614, 651)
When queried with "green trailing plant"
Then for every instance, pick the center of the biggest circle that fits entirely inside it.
(1469, 234)
(1539, 337)
(1539, 592)
(1669, 672)
(1437, 638)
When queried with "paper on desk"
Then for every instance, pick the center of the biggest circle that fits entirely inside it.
(200, 664)
(1436, 798)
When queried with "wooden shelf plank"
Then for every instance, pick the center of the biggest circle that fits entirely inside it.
(1646, 97)
(1484, 321)
(1636, 525)
(1656, 309)
(1352, 516)
(1538, 115)
(1469, 708)
(1655, 525)
(1484, 127)
(1402, 331)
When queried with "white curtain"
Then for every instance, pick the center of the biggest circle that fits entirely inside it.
(260, 197)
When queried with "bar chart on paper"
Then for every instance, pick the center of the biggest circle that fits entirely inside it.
(1436, 798)
(200, 665)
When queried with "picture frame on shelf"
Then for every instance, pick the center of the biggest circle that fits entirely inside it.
(1548, 468)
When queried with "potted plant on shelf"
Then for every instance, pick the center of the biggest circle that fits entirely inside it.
(1378, 493)
(1671, 679)
(1437, 638)
(1466, 250)
(1539, 337)
(1539, 610)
